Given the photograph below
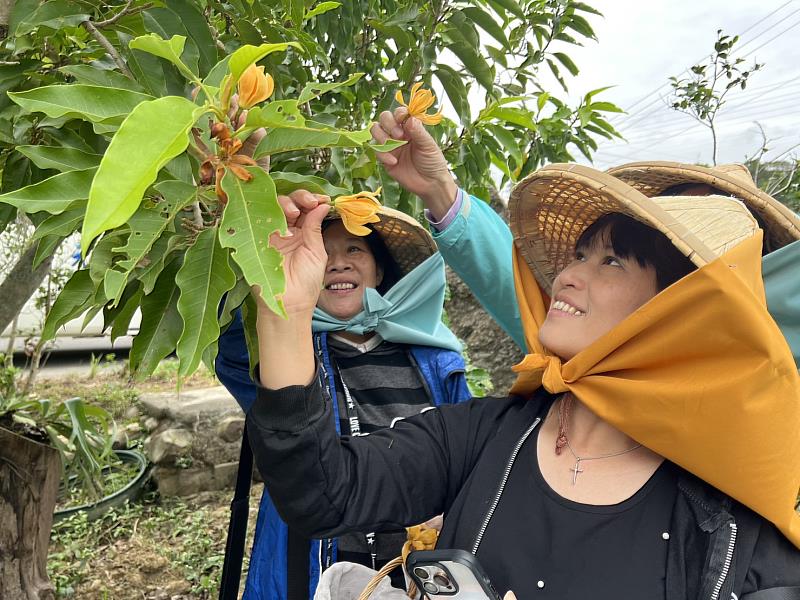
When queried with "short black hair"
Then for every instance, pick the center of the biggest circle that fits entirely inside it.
(383, 258)
(633, 239)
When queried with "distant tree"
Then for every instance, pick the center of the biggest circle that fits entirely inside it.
(703, 92)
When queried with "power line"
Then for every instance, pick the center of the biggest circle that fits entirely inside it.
(702, 57)
(645, 108)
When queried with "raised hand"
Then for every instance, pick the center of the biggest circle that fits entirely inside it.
(304, 255)
(419, 166)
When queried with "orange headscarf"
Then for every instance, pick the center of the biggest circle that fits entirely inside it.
(700, 374)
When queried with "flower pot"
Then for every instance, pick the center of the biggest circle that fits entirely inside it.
(128, 493)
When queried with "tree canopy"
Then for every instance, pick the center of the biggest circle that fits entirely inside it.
(115, 122)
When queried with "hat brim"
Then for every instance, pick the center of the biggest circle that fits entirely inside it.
(553, 206)
(781, 225)
(408, 242)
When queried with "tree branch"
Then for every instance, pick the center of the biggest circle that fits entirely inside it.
(112, 52)
(126, 10)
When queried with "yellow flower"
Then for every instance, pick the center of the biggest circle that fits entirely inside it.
(418, 102)
(358, 209)
(255, 86)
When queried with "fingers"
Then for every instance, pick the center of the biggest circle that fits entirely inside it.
(299, 202)
(391, 125)
(509, 596)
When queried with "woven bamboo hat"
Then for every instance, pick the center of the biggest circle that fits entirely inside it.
(781, 225)
(407, 241)
(553, 206)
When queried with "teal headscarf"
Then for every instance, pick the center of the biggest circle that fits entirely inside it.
(409, 313)
(781, 271)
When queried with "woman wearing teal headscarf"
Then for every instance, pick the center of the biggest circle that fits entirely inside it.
(385, 354)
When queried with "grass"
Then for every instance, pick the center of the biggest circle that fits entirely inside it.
(173, 544)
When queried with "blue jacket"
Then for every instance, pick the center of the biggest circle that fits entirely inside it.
(443, 373)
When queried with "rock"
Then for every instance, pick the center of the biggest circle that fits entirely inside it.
(190, 406)
(231, 428)
(132, 413)
(152, 563)
(121, 440)
(151, 424)
(168, 445)
(194, 480)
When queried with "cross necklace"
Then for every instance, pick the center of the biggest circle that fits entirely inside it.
(578, 459)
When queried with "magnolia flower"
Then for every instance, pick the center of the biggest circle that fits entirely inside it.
(419, 102)
(254, 86)
(358, 209)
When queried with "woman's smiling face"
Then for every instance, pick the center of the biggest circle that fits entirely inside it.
(596, 291)
(351, 268)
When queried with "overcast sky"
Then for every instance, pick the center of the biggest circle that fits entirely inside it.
(641, 43)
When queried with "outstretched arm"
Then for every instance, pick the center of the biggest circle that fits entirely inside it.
(474, 241)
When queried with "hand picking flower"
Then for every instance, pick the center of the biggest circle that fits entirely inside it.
(418, 103)
(358, 209)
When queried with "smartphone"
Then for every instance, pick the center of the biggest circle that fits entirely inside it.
(449, 574)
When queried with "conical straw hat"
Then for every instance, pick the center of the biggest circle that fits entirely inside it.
(553, 206)
(781, 225)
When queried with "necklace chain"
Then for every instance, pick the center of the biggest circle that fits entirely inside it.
(578, 459)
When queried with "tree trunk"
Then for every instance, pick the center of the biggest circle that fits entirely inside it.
(5, 13)
(29, 477)
(20, 284)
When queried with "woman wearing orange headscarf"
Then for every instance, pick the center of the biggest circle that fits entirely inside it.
(650, 448)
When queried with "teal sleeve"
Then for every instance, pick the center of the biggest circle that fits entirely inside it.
(477, 245)
(782, 286)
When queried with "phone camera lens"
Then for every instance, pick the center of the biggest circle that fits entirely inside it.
(421, 573)
(430, 587)
(441, 580)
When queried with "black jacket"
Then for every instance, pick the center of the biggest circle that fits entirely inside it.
(455, 460)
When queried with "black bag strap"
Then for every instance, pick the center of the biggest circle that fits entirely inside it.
(781, 593)
(298, 549)
(237, 528)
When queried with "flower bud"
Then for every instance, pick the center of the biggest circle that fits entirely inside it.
(254, 86)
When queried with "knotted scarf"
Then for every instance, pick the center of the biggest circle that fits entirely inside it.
(700, 374)
(409, 313)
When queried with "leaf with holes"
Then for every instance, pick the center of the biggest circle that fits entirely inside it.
(203, 279)
(251, 217)
(146, 225)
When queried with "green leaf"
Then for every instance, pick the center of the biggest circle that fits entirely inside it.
(203, 279)
(146, 226)
(159, 255)
(453, 84)
(46, 248)
(313, 90)
(122, 318)
(161, 324)
(59, 157)
(471, 60)
(100, 77)
(54, 194)
(233, 300)
(286, 183)
(567, 62)
(197, 27)
(485, 21)
(71, 302)
(302, 138)
(170, 50)
(605, 107)
(320, 9)
(247, 55)
(511, 6)
(387, 146)
(152, 135)
(62, 224)
(54, 14)
(281, 113)
(78, 101)
(251, 216)
(509, 142)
